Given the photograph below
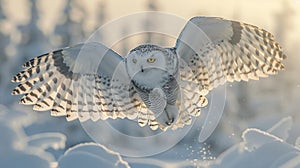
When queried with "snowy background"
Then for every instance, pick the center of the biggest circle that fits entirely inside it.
(260, 124)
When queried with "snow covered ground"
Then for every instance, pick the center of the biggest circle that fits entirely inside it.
(258, 148)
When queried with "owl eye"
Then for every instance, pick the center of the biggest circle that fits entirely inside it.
(134, 60)
(151, 60)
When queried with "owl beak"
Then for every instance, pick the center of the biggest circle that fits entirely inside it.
(142, 69)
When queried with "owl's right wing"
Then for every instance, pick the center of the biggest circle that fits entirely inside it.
(85, 81)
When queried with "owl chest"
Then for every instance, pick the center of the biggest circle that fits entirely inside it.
(168, 85)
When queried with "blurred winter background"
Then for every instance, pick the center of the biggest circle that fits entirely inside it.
(271, 105)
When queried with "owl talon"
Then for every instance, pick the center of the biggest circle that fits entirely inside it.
(203, 101)
(170, 122)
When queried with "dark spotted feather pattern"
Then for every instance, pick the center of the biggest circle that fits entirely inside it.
(70, 86)
(213, 51)
(229, 51)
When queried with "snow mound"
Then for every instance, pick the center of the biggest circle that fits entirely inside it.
(19, 150)
(262, 149)
(91, 155)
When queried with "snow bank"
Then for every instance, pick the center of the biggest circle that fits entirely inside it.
(91, 155)
(19, 150)
(262, 149)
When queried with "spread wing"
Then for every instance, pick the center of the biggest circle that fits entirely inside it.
(213, 51)
(85, 81)
(218, 50)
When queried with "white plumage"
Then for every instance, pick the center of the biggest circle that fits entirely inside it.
(161, 87)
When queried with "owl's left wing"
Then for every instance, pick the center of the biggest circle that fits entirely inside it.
(85, 81)
(213, 51)
(218, 50)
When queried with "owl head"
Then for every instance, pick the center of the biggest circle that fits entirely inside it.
(149, 62)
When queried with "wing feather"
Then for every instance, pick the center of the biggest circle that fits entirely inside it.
(76, 82)
(213, 51)
(223, 50)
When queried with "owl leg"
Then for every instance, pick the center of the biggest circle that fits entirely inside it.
(168, 116)
(172, 113)
(158, 101)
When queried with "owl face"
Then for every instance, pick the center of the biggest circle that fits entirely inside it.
(147, 62)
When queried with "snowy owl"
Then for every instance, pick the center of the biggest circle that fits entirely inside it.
(159, 87)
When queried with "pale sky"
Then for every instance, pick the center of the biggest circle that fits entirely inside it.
(257, 12)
